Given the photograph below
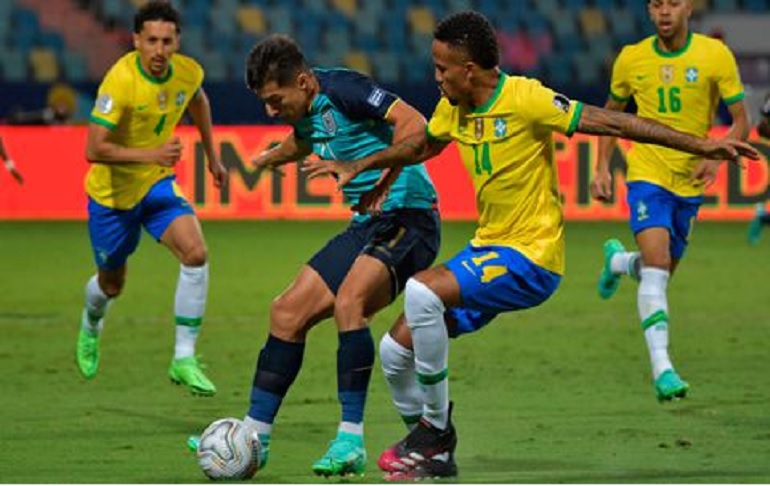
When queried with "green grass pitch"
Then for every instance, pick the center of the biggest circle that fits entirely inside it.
(560, 393)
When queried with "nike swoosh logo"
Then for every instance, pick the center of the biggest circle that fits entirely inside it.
(141, 107)
(639, 78)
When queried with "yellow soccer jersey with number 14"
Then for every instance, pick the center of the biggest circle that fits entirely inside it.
(680, 89)
(141, 111)
(507, 147)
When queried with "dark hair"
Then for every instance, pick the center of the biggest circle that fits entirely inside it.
(276, 58)
(156, 10)
(470, 31)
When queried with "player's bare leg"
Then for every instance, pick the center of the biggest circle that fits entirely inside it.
(365, 290)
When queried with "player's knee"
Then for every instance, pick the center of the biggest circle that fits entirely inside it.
(421, 304)
(113, 287)
(348, 311)
(195, 256)
(285, 320)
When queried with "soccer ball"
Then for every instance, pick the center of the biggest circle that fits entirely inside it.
(229, 450)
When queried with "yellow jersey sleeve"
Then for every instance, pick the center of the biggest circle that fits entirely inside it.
(440, 124)
(727, 76)
(620, 88)
(548, 109)
(112, 98)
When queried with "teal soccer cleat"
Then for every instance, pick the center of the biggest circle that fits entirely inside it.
(670, 386)
(755, 226)
(88, 353)
(346, 456)
(608, 281)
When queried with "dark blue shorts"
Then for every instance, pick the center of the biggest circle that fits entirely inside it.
(405, 240)
(495, 279)
(652, 206)
(115, 232)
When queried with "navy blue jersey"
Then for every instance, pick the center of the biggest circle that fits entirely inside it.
(346, 121)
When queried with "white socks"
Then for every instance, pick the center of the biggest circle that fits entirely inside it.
(626, 263)
(425, 317)
(398, 367)
(96, 306)
(653, 311)
(189, 307)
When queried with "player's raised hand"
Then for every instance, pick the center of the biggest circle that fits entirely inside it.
(342, 171)
(170, 152)
(218, 172)
(601, 186)
(729, 149)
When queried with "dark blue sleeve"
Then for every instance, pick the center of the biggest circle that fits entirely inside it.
(357, 95)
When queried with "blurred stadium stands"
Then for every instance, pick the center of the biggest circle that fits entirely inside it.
(567, 43)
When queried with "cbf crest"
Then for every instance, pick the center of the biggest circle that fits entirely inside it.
(330, 124)
(667, 73)
(501, 128)
(691, 74)
(180, 97)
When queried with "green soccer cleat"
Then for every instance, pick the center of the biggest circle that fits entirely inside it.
(88, 353)
(670, 386)
(346, 456)
(189, 372)
(755, 226)
(608, 281)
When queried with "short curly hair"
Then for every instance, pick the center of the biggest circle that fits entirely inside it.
(156, 10)
(276, 58)
(471, 31)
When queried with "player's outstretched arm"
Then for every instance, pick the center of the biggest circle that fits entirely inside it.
(598, 121)
(200, 112)
(100, 150)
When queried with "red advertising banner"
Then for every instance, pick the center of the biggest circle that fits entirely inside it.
(53, 164)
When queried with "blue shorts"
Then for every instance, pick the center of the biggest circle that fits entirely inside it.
(405, 240)
(115, 232)
(652, 206)
(495, 279)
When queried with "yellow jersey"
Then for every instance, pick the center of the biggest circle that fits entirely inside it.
(507, 147)
(680, 89)
(141, 111)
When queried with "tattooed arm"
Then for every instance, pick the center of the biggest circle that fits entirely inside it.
(599, 121)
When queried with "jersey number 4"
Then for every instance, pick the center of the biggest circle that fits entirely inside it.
(668, 100)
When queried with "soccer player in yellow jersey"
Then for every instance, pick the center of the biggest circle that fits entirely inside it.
(676, 77)
(503, 126)
(131, 184)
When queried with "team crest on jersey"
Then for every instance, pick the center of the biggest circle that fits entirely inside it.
(330, 125)
(104, 104)
(180, 97)
(691, 74)
(667, 73)
(479, 128)
(501, 128)
(162, 99)
(561, 102)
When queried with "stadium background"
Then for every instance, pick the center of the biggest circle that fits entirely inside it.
(54, 53)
